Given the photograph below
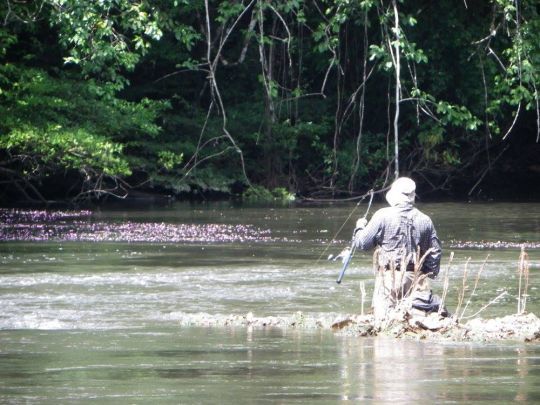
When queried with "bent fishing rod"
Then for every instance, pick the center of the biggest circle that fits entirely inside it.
(362, 198)
(348, 253)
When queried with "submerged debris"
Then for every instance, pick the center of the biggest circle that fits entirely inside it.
(298, 320)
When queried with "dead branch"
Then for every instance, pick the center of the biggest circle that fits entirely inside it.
(474, 288)
(493, 301)
(461, 294)
(446, 283)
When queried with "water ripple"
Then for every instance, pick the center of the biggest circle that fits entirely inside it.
(19, 225)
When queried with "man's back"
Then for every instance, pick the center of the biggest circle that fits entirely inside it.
(399, 231)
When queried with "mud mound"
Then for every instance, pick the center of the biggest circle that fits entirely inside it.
(520, 327)
(525, 327)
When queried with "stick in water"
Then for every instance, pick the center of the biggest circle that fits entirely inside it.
(362, 296)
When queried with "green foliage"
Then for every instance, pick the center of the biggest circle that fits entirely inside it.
(282, 194)
(97, 38)
(517, 85)
(170, 159)
(69, 149)
(120, 88)
(59, 123)
(456, 115)
(227, 10)
(107, 37)
(260, 194)
(32, 96)
(437, 147)
(7, 40)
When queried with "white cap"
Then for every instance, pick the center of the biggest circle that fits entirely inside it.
(402, 191)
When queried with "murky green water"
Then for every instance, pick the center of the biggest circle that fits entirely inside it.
(85, 321)
(198, 365)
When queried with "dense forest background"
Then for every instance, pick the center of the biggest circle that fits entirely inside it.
(314, 98)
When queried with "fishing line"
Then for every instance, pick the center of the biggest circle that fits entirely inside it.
(370, 193)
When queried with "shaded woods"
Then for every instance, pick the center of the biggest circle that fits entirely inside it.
(322, 99)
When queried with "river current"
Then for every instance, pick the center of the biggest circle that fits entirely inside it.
(124, 307)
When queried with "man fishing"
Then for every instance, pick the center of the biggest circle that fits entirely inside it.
(405, 241)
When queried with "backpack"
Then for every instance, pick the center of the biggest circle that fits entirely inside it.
(407, 244)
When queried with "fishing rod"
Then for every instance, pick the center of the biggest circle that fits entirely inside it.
(362, 198)
(348, 253)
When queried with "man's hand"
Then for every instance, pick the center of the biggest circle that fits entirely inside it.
(344, 255)
(360, 224)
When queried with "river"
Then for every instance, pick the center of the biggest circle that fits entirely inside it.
(123, 306)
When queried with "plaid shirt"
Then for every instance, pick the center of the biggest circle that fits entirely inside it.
(388, 229)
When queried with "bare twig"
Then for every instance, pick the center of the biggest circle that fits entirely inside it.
(486, 121)
(461, 294)
(446, 283)
(16, 178)
(361, 108)
(536, 99)
(474, 288)
(493, 301)
(398, 87)
(362, 296)
(212, 64)
(243, 53)
(487, 169)
(289, 36)
(523, 270)
(513, 122)
(492, 52)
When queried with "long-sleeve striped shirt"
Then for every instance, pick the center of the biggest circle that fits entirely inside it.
(399, 231)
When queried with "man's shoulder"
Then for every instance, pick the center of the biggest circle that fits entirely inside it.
(384, 212)
(419, 215)
(393, 212)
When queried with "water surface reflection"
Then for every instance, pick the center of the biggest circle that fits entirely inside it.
(243, 365)
(386, 370)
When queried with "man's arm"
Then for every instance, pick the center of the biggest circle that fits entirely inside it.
(432, 264)
(366, 238)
